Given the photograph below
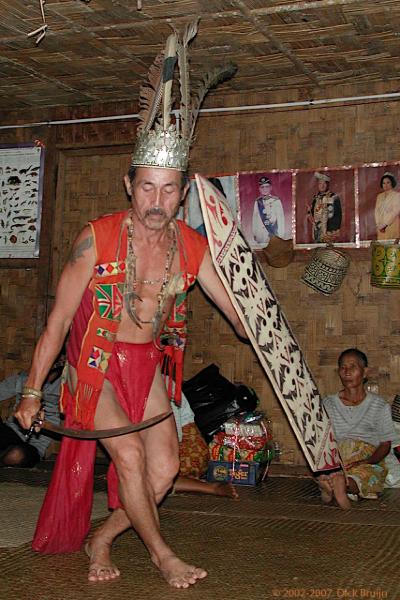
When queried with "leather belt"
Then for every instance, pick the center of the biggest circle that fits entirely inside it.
(96, 434)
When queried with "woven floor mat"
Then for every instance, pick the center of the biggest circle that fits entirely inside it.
(251, 558)
(39, 476)
(292, 498)
(20, 505)
(277, 541)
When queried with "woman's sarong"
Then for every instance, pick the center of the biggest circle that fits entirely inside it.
(64, 519)
(193, 452)
(370, 479)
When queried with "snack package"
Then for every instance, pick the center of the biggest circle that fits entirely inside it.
(248, 424)
(226, 453)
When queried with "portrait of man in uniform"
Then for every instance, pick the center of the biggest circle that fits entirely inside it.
(265, 206)
(325, 207)
(268, 215)
(325, 212)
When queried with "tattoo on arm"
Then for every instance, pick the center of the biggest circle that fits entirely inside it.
(79, 250)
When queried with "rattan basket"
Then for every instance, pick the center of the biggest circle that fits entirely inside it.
(326, 270)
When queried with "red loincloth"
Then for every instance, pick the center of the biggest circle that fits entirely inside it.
(64, 519)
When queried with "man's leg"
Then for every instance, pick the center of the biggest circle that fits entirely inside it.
(162, 459)
(146, 464)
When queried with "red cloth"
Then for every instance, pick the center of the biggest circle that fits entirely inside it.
(85, 343)
(97, 319)
(64, 519)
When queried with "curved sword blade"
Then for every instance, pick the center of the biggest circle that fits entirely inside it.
(98, 434)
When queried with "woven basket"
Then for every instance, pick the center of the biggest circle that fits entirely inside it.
(326, 270)
(396, 409)
(385, 268)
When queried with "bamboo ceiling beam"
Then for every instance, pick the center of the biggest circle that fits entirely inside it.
(264, 30)
(303, 5)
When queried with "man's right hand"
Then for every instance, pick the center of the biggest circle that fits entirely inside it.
(26, 411)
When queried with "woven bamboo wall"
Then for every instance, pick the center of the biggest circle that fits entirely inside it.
(357, 315)
(18, 312)
(23, 282)
(91, 160)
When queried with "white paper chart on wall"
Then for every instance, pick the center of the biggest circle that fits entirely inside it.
(21, 179)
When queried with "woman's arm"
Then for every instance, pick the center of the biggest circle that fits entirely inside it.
(379, 454)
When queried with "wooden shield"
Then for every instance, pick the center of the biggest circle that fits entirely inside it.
(268, 330)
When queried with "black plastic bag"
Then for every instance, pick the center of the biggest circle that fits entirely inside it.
(214, 399)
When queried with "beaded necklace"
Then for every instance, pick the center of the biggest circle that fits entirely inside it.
(131, 281)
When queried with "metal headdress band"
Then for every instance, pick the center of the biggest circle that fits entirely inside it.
(159, 143)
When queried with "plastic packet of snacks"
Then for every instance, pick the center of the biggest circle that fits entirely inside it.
(247, 425)
(236, 441)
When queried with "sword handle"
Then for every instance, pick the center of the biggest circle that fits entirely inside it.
(37, 422)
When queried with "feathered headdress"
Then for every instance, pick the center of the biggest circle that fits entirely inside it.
(159, 143)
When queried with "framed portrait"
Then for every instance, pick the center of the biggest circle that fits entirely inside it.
(226, 184)
(324, 207)
(21, 185)
(379, 201)
(265, 206)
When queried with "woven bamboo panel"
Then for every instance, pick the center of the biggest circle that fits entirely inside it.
(90, 185)
(342, 135)
(356, 315)
(100, 50)
(18, 313)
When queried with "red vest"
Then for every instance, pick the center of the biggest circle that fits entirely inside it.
(97, 319)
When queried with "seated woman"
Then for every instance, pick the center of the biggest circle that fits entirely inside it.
(15, 449)
(363, 428)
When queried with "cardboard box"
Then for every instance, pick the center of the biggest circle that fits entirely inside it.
(243, 473)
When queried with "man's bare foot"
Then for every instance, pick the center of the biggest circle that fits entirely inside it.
(100, 566)
(338, 482)
(224, 488)
(178, 573)
(326, 488)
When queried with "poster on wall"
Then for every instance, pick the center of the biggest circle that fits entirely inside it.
(21, 183)
(226, 184)
(324, 206)
(379, 201)
(265, 206)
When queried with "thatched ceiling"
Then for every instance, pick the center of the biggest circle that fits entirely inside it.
(99, 50)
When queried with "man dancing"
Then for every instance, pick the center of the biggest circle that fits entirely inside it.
(123, 292)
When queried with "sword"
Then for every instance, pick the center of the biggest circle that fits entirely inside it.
(94, 434)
